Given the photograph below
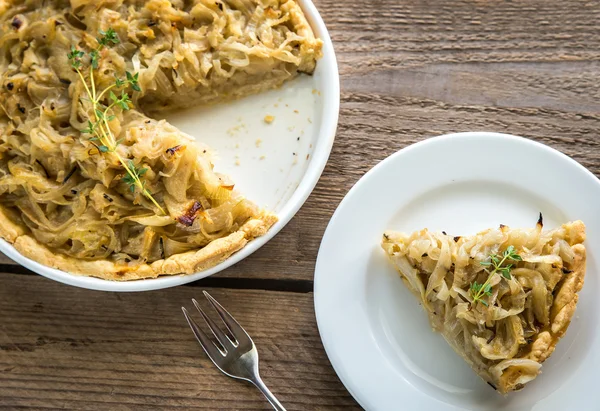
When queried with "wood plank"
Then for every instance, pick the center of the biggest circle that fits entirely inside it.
(5, 260)
(85, 350)
(416, 69)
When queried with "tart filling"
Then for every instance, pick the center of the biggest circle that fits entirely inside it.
(502, 298)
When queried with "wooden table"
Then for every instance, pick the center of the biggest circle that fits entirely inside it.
(410, 69)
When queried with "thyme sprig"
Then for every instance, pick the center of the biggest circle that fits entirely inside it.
(101, 113)
(497, 265)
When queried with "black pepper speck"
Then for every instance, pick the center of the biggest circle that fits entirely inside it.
(16, 23)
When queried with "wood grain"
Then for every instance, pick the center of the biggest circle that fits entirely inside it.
(62, 347)
(410, 70)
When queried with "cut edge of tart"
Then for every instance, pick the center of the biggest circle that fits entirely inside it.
(502, 298)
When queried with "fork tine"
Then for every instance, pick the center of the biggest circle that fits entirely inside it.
(236, 329)
(217, 332)
(209, 347)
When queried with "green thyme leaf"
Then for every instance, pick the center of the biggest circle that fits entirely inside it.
(74, 57)
(108, 37)
(475, 287)
(500, 265)
(129, 179)
(132, 79)
(75, 54)
(123, 101)
(89, 129)
(94, 58)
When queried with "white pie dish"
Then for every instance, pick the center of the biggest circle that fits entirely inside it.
(275, 165)
(375, 333)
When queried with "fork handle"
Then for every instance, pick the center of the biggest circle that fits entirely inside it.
(267, 393)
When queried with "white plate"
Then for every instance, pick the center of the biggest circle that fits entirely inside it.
(276, 165)
(374, 331)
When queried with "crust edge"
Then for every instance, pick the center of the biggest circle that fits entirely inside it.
(212, 254)
(562, 311)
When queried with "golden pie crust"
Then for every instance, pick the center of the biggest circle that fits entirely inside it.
(214, 253)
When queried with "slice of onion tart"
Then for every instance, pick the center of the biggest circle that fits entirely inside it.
(502, 298)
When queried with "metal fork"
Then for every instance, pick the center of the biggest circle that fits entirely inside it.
(237, 358)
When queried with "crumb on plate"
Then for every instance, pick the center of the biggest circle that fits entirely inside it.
(235, 129)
